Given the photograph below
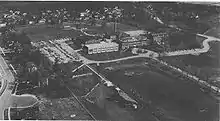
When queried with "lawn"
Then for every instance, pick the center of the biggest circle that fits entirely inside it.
(62, 109)
(109, 28)
(94, 30)
(27, 113)
(43, 32)
(23, 101)
(175, 99)
(185, 42)
(215, 31)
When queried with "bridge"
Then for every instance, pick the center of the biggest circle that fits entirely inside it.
(81, 75)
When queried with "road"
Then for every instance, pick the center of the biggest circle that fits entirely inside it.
(7, 99)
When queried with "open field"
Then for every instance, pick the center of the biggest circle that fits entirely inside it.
(181, 102)
(44, 32)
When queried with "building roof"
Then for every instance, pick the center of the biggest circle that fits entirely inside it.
(162, 34)
(135, 32)
(93, 41)
(129, 39)
(101, 44)
(64, 55)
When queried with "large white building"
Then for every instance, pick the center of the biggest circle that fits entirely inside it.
(101, 47)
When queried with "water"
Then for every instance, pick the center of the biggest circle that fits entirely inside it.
(179, 100)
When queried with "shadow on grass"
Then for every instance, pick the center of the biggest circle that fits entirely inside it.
(6, 114)
(30, 113)
(49, 91)
(59, 92)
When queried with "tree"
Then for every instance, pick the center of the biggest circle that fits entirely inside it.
(32, 73)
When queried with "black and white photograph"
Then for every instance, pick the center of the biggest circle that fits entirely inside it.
(110, 60)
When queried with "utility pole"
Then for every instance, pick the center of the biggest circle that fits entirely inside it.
(115, 25)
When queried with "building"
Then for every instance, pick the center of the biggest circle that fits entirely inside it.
(159, 38)
(136, 38)
(93, 41)
(129, 42)
(81, 41)
(101, 47)
(135, 33)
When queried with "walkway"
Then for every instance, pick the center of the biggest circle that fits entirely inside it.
(205, 48)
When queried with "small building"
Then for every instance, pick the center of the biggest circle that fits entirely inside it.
(136, 38)
(42, 21)
(31, 22)
(101, 47)
(67, 24)
(3, 25)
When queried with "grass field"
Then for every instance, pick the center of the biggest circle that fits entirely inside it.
(27, 113)
(215, 31)
(44, 32)
(23, 101)
(62, 109)
(177, 100)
